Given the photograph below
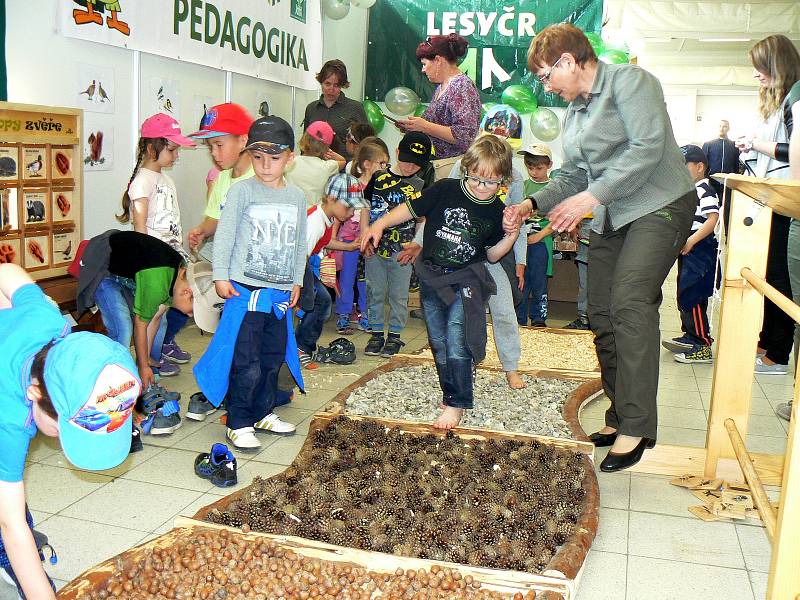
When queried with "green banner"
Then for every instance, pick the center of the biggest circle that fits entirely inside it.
(499, 35)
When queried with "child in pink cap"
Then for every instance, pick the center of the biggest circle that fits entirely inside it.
(150, 203)
(310, 171)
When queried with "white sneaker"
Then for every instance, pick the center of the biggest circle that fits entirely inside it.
(763, 368)
(273, 424)
(244, 438)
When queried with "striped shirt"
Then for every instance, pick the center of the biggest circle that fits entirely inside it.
(707, 203)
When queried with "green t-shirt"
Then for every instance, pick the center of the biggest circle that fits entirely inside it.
(216, 199)
(537, 223)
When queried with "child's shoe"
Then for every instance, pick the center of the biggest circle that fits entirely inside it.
(167, 369)
(166, 419)
(199, 407)
(136, 440)
(392, 346)
(218, 466)
(538, 324)
(375, 345)
(678, 345)
(244, 439)
(274, 424)
(173, 353)
(363, 324)
(343, 325)
(306, 361)
(581, 323)
(166, 394)
(698, 355)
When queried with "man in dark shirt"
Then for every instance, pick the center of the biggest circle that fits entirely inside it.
(723, 157)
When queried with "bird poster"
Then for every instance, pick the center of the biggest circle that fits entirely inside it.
(164, 97)
(94, 88)
(98, 142)
(34, 162)
(64, 247)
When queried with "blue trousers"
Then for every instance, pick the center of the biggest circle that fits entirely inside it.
(309, 329)
(257, 357)
(447, 338)
(114, 298)
(534, 293)
(347, 279)
(176, 321)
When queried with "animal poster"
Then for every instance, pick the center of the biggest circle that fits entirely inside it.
(98, 142)
(64, 247)
(61, 157)
(163, 96)
(63, 206)
(35, 165)
(35, 207)
(94, 88)
(9, 218)
(9, 163)
(10, 251)
(37, 252)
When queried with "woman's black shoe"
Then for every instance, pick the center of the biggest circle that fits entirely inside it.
(601, 440)
(616, 462)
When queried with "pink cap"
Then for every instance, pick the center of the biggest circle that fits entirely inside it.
(164, 126)
(321, 131)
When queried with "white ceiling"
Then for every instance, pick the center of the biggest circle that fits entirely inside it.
(674, 39)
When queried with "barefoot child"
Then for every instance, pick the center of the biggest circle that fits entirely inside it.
(463, 228)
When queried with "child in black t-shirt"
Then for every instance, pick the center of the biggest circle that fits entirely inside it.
(463, 229)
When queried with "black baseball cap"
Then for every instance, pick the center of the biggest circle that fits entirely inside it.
(415, 147)
(271, 135)
(695, 154)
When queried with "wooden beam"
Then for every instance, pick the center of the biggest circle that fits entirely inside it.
(739, 324)
(781, 301)
(784, 572)
(760, 498)
(675, 461)
(779, 194)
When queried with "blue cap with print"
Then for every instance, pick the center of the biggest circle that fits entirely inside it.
(93, 384)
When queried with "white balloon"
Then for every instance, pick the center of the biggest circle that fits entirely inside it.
(336, 9)
(363, 3)
(402, 101)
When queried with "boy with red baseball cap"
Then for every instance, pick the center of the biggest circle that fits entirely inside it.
(224, 129)
(80, 387)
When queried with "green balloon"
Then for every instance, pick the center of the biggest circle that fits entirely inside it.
(545, 124)
(374, 115)
(597, 43)
(520, 98)
(420, 109)
(614, 57)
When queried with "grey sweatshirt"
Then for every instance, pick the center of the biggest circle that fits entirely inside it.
(261, 236)
(619, 145)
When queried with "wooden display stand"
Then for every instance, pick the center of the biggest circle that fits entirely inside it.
(41, 187)
(725, 455)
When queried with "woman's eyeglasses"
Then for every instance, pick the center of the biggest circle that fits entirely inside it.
(486, 183)
(545, 79)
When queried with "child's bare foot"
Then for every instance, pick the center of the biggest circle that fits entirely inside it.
(449, 418)
(514, 380)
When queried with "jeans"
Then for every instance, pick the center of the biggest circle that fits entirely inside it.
(347, 279)
(627, 269)
(534, 293)
(387, 278)
(309, 329)
(447, 338)
(176, 321)
(257, 358)
(114, 298)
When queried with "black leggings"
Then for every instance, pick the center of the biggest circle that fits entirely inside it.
(777, 330)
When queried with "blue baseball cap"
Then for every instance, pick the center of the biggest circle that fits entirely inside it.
(93, 384)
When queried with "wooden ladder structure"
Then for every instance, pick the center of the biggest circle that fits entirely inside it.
(725, 455)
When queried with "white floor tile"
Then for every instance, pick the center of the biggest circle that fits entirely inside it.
(132, 461)
(615, 489)
(766, 444)
(677, 382)
(651, 579)
(654, 494)
(173, 468)
(679, 398)
(82, 543)
(679, 436)
(143, 506)
(768, 425)
(603, 576)
(683, 539)
(756, 547)
(282, 451)
(759, 583)
(612, 534)
(52, 489)
(42, 447)
(686, 418)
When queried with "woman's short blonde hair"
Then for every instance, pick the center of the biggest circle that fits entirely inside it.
(488, 154)
(311, 146)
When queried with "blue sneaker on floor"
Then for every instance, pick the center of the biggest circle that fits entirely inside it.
(218, 466)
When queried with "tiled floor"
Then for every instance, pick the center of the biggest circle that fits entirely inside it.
(648, 547)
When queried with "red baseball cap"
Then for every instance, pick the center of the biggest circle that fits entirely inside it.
(322, 131)
(164, 126)
(224, 119)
